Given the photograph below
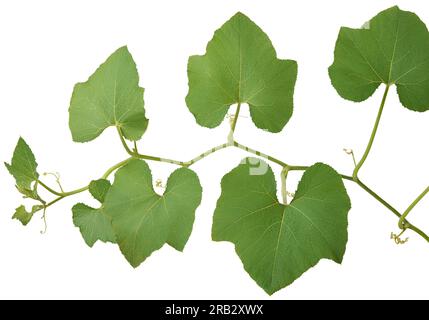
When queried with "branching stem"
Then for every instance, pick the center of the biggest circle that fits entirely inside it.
(402, 221)
(134, 154)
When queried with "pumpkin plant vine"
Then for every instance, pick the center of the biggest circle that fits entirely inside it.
(276, 240)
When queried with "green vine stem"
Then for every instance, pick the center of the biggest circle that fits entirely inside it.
(286, 168)
(247, 149)
(62, 195)
(371, 139)
(402, 222)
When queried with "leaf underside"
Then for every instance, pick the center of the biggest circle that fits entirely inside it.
(144, 221)
(393, 48)
(277, 243)
(240, 66)
(110, 97)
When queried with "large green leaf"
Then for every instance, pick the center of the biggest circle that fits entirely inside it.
(240, 66)
(144, 221)
(277, 243)
(93, 223)
(393, 48)
(23, 168)
(110, 97)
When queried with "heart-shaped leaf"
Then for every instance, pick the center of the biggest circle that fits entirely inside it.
(99, 189)
(241, 66)
(277, 243)
(110, 97)
(393, 48)
(144, 221)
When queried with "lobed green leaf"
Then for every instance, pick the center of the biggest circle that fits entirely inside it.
(144, 221)
(110, 97)
(393, 48)
(277, 243)
(241, 66)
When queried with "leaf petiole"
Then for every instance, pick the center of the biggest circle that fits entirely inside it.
(372, 138)
(234, 122)
(283, 176)
(124, 143)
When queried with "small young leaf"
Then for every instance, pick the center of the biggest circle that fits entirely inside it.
(240, 66)
(24, 216)
(144, 221)
(23, 167)
(392, 49)
(94, 224)
(277, 243)
(110, 97)
(99, 189)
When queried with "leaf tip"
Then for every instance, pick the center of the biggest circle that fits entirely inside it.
(239, 14)
(124, 49)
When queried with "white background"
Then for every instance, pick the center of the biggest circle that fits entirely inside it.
(48, 46)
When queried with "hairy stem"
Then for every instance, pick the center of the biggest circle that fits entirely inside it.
(372, 137)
